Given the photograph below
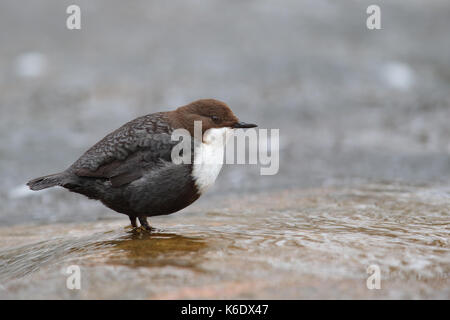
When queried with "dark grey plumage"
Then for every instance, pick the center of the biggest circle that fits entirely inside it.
(148, 133)
(140, 149)
(131, 169)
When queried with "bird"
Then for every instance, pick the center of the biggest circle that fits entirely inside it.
(131, 170)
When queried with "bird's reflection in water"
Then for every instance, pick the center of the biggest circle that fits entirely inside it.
(130, 248)
(156, 249)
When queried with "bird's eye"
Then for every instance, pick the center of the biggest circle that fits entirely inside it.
(215, 118)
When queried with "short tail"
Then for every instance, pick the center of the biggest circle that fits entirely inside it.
(46, 182)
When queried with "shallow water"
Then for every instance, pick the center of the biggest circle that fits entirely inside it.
(308, 68)
(310, 243)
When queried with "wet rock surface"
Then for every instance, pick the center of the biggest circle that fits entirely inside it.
(311, 243)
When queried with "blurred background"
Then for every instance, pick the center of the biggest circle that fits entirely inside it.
(364, 147)
(352, 104)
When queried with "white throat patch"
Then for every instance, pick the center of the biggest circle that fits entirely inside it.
(208, 157)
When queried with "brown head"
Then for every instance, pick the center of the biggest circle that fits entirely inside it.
(212, 113)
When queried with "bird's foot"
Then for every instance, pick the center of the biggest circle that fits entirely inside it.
(133, 222)
(144, 224)
(142, 229)
(145, 227)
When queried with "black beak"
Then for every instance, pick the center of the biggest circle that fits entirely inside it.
(244, 125)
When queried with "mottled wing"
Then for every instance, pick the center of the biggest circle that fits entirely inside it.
(122, 155)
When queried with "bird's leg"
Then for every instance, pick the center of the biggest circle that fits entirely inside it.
(144, 223)
(133, 222)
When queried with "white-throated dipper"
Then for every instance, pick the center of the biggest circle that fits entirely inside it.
(131, 169)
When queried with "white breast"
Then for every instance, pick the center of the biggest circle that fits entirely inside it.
(208, 159)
